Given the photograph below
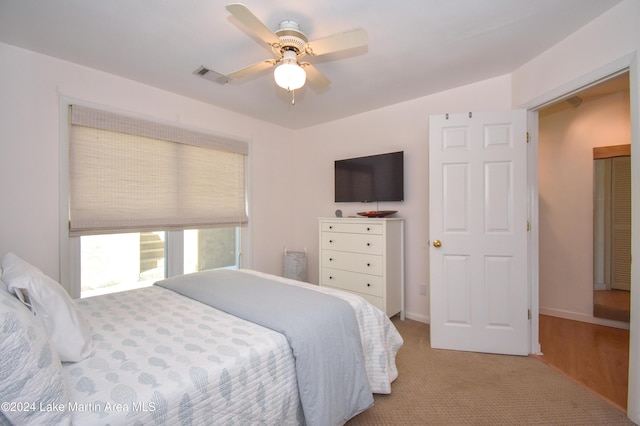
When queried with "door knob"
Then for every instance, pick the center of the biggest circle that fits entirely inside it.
(437, 243)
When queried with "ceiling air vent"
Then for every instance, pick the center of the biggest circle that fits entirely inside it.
(211, 75)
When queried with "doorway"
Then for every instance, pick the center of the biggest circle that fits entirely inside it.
(568, 131)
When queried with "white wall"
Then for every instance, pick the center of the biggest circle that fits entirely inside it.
(567, 137)
(404, 127)
(31, 87)
(603, 41)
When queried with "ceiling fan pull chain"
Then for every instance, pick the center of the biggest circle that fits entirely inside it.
(293, 97)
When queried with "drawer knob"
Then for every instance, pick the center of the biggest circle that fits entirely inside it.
(330, 227)
(331, 259)
(368, 244)
(330, 241)
(368, 229)
(330, 277)
(368, 264)
(368, 285)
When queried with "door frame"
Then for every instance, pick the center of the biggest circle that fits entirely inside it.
(630, 63)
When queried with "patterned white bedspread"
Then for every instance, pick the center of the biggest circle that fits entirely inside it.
(164, 359)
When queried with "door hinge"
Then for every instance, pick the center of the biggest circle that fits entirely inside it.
(527, 137)
(528, 226)
(529, 314)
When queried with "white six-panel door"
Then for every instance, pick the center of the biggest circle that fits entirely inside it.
(478, 232)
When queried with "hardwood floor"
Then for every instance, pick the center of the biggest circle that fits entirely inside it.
(612, 304)
(594, 355)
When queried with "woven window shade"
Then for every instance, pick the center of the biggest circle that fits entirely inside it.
(130, 175)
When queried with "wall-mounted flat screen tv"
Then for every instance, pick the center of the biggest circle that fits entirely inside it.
(369, 179)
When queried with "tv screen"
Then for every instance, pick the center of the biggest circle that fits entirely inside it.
(372, 178)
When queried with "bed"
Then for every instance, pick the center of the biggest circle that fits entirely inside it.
(155, 356)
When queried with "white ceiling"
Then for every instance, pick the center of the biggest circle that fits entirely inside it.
(416, 47)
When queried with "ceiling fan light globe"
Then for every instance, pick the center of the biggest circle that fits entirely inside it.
(290, 76)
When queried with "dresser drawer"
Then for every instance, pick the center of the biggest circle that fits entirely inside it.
(356, 262)
(358, 243)
(353, 228)
(352, 281)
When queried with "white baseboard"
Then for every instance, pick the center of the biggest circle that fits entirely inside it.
(584, 318)
(417, 317)
(547, 311)
(601, 286)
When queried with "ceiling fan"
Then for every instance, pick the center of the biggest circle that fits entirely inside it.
(289, 45)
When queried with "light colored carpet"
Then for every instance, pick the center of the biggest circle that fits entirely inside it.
(438, 387)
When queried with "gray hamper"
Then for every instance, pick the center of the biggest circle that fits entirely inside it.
(295, 265)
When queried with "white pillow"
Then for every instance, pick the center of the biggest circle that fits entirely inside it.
(30, 369)
(69, 332)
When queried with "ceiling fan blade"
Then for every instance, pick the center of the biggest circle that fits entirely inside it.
(252, 69)
(244, 15)
(337, 42)
(315, 77)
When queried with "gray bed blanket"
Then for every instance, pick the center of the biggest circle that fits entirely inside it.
(322, 331)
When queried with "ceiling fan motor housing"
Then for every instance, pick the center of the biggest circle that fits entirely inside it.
(291, 38)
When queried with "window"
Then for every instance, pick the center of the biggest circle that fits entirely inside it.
(213, 248)
(147, 200)
(117, 262)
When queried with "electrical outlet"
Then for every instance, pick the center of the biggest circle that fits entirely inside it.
(423, 290)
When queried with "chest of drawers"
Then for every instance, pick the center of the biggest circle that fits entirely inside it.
(366, 257)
